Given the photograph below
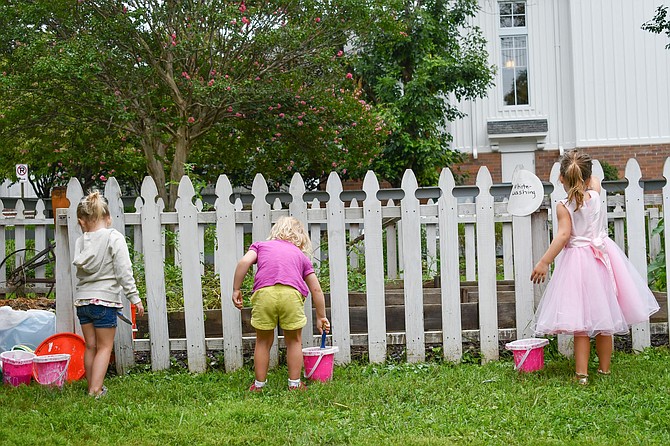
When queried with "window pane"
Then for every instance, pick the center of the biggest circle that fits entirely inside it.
(521, 57)
(505, 8)
(522, 87)
(507, 43)
(520, 8)
(505, 21)
(508, 86)
(519, 21)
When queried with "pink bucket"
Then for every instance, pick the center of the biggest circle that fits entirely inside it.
(51, 370)
(17, 367)
(319, 362)
(528, 354)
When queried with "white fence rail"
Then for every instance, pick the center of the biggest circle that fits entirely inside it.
(410, 237)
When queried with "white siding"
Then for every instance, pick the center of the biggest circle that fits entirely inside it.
(595, 75)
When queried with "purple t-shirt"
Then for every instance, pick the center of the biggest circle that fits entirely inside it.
(281, 262)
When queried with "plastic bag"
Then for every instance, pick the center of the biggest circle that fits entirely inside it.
(29, 327)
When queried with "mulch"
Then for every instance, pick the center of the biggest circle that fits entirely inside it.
(25, 303)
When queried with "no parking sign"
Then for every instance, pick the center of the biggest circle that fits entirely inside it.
(22, 172)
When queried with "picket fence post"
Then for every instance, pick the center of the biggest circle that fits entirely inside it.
(486, 268)
(374, 269)
(447, 205)
(337, 262)
(154, 274)
(298, 209)
(231, 317)
(412, 279)
(123, 340)
(637, 245)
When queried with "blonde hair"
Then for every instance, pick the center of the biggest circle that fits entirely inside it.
(576, 170)
(93, 207)
(291, 230)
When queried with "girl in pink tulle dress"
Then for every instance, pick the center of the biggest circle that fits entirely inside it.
(594, 290)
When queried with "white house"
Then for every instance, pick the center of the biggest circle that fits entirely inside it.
(570, 74)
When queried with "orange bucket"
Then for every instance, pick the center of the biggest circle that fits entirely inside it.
(71, 344)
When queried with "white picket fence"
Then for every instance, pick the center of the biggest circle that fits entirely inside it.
(524, 240)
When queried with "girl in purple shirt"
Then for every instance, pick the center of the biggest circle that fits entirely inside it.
(283, 280)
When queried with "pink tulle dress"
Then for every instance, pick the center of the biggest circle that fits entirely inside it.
(594, 288)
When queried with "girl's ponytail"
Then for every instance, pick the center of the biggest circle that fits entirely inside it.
(576, 170)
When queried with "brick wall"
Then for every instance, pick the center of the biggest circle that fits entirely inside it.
(650, 157)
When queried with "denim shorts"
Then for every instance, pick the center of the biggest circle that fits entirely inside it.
(98, 315)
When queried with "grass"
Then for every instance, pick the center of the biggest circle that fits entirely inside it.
(394, 403)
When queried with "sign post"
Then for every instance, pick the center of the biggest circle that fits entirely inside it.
(22, 175)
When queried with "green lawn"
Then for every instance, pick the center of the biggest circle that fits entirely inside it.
(398, 404)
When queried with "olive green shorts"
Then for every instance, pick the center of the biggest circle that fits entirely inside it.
(281, 304)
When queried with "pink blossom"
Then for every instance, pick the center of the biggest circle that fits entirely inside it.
(340, 53)
(185, 75)
(103, 178)
(317, 20)
(277, 135)
(245, 20)
(258, 78)
(212, 73)
(228, 88)
(191, 119)
(163, 109)
(320, 128)
(211, 82)
(353, 124)
(299, 123)
(233, 22)
(334, 164)
(243, 7)
(238, 114)
(344, 171)
(281, 115)
(230, 109)
(349, 76)
(271, 108)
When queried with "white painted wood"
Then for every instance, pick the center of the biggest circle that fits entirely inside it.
(486, 267)
(137, 253)
(65, 314)
(619, 228)
(239, 232)
(374, 270)
(540, 244)
(508, 249)
(431, 246)
(470, 252)
(3, 243)
(154, 274)
(666, 231)
(523, 287)
(123, 339)
(447, 204)
(20, 234)
(225, 263)
(391, 247)
(654, 239)
(413, 280)
(637, 249)
(74, 194)
(315, 236)
(201, 238)
(190, 266)
(401, 251)
(337, 261)
(298, 209)
(261, 217)
(40, 236)
(354, 232)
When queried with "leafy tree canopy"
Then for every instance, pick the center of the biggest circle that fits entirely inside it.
(660, 23)
(240, 85)
(418, 62)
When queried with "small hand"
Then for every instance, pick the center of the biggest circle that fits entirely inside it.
(539, 272)
(139, 307)
(324, 325)
(237, 299)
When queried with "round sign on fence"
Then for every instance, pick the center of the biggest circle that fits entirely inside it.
(527, 193)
